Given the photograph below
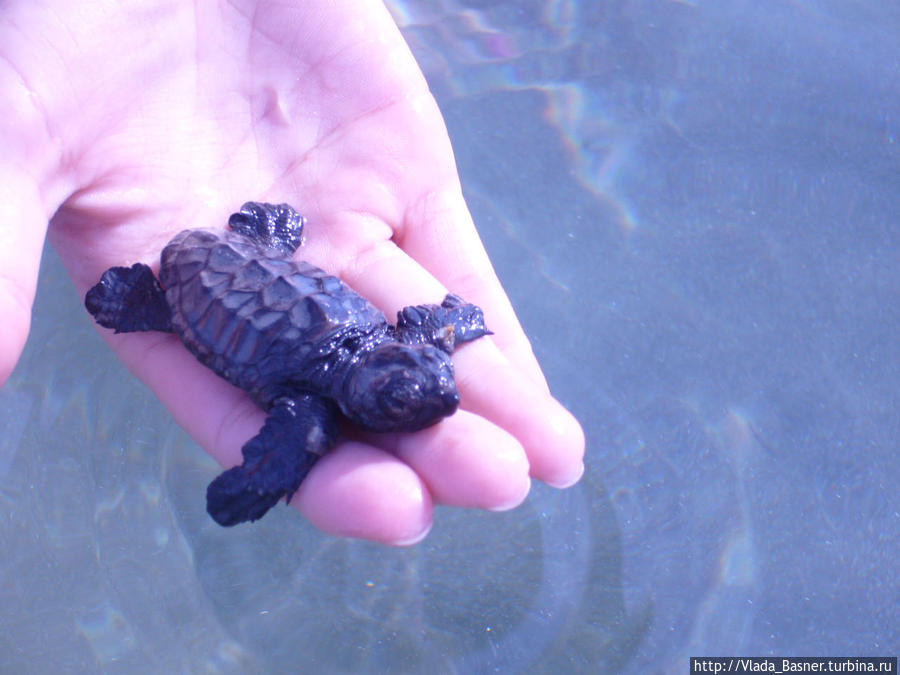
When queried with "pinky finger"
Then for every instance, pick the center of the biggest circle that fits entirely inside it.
(359, 491)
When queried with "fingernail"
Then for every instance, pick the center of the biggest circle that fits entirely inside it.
(570, 481)
(416, 539)
(512, 503)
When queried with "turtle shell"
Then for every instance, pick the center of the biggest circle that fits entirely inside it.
(258, 318)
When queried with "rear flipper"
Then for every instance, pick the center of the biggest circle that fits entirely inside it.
(446, 326)
(129, 299)
(297, 432)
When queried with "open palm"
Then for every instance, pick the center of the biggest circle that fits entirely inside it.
(128, 123)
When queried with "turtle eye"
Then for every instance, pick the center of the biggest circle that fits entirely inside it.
(399, 396)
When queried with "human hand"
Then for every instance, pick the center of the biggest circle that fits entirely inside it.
(130, 123)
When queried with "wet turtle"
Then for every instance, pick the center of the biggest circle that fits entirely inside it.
(304, 345)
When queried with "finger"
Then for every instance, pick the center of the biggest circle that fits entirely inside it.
(363, 492)
(27, 162)
(490, 384)
(551, 436)
(22, 231)
(465, 461)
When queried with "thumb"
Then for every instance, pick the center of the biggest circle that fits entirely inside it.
(23, 224)
(27, 160)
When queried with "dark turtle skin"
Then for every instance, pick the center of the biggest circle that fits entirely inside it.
(305, 346)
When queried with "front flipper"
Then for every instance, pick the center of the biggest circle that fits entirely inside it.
(297, 432)
(446, 326)
(276, 226)
(129, 299)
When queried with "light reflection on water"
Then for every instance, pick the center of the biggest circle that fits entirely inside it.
(686, 183)
(541, 47)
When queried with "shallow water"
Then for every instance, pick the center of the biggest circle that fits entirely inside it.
(693, 208)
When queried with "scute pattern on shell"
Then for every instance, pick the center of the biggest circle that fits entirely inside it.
(227, 300)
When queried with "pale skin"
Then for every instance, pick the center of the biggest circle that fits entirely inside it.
(125, 123)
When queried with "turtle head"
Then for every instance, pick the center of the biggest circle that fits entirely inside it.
(400, 387)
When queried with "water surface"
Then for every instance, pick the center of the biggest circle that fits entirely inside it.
(693, 207)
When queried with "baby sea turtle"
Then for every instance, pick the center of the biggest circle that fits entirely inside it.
(304, 345)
